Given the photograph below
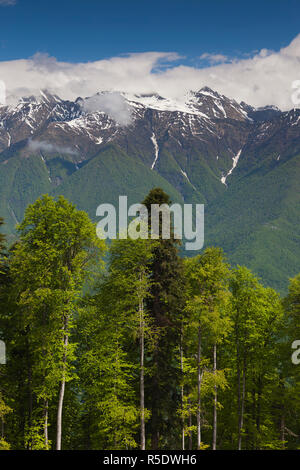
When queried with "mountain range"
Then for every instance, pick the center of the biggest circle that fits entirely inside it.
(242, 162)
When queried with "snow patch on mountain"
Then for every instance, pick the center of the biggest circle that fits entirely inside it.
(156, 150)
(235, 160)
(186, 176)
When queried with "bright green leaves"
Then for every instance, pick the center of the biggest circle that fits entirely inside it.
(48, 267)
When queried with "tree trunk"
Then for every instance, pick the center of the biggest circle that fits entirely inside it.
(241, 417)
(62, 389)
(142, 372)
(190, 425)
(282, 428)
(59, 414)
(155, 437)
(282, 417)
(259, 396)
(182, 394)
(46, 424)
(214, 443)
(30, 401)
(199, 379)
(254, 433)
(155, 400)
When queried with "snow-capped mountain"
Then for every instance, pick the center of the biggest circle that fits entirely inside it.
(217, 126)
(180, 139)
(240, 161)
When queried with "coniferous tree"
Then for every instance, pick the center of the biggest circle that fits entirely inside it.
(165, 305)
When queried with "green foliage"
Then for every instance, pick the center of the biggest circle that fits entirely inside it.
(4, 445)
(206, 340)
(257, 322)
(205, 325)
(56, 242)
(108, 367)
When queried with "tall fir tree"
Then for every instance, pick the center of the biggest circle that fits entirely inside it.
(165, 305)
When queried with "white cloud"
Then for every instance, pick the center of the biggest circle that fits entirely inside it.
(7, 2)
(214, 58)
(34, 145)
(112, 104)
(265, 78)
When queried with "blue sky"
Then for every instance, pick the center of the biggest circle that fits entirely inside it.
(249, 51)
(88, 30)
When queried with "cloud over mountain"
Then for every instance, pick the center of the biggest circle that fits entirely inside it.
(265, 78)
(48, 147)
(113, 104)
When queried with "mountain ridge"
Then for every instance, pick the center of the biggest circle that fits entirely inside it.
(209, 150)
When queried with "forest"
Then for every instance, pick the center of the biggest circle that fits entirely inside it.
(129, 345)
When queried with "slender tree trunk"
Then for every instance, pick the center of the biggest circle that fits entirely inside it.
(214, 443)
(199, 379)
(254, 433)
(142, 374)
(182, 393)
(46, 424)
(155, 386)
(155, 435)
(59, 414)
(45, 400)
(282, 428)
(155, 399)
(62, 389)
(22, 412)
(30, 401)
(259, 395)
(241, 418)
(190, 426)
(282, 417)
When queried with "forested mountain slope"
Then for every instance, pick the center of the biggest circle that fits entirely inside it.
(241, 162)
